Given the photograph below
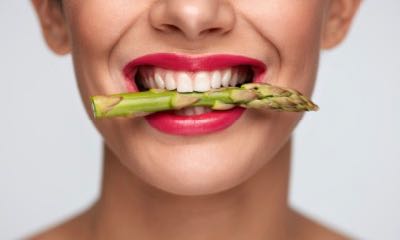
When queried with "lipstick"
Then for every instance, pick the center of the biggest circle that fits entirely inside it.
(187, 74)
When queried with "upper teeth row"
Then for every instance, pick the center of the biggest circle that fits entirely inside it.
(200, 81)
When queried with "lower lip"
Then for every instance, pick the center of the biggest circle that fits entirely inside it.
(170, 123)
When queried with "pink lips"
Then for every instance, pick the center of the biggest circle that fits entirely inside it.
(170, 123)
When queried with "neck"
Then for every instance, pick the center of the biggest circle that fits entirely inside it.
(257, 209)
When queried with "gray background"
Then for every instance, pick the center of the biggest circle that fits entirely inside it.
(346, 170)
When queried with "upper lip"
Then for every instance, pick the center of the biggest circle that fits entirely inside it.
(193, 63)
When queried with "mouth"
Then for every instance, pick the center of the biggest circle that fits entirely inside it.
(192, 74)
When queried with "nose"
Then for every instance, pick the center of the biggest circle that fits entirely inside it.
(193, 19)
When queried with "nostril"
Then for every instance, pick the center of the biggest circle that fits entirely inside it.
(211, 30)
(170, 28)
(194, 19)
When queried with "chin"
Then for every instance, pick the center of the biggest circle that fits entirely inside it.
(201, 165)
(195, 170)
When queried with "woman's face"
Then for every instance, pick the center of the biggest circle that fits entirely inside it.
(284, 35)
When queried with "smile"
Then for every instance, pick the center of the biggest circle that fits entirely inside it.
(192, 74)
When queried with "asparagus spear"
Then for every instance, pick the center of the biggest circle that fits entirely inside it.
(250, 95)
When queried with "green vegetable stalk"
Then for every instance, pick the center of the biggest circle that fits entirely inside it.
(250, 95)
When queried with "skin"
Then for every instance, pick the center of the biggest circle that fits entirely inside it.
(158, 186)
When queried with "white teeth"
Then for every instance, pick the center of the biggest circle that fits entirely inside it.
(170, 81)
(185, 112)
(234, 79)
(184, 82)
(226, 77)
(201, 82)
(198, 110)
(151, 83)
(159, 81)
(216, 79)
(201, 110)
(242, 76)
(190, 111)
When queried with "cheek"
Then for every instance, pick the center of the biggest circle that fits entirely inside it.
(297, 39)
(95, 29)
(96, 25)
(271, 130)
(294, 32)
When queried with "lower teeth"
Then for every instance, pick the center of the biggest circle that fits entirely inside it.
(190, 111)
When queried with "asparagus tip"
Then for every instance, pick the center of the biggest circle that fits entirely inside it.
(242, 96)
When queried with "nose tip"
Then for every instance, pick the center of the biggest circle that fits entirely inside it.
(194, 19)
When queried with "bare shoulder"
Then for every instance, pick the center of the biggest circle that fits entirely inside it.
(73, 228)
(306, 228)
